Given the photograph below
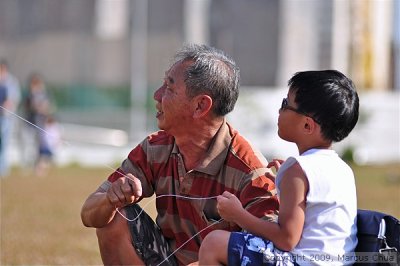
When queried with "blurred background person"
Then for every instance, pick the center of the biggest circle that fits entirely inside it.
(3, 98)
(37, 101)
(37, 108)
(49, 140)
(12, 97)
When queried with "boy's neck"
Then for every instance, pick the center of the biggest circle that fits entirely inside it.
(304, 148)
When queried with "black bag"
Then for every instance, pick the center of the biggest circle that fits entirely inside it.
(378, 238)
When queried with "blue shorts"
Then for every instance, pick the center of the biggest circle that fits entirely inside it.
(246, 250)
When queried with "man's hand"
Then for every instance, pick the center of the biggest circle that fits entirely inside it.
(124, 191)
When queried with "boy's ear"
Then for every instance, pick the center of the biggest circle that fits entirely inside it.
(203, 105)
(309, 125)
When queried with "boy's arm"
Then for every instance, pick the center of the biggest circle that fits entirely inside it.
(287, 232)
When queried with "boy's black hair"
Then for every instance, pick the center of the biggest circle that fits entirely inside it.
(330, 97)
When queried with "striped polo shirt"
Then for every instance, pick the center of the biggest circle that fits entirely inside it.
(231, 164)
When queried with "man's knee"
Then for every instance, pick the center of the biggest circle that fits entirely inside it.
(214, 246)
(115, 243)
(116, 230)
(211, 241)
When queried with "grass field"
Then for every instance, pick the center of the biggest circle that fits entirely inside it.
(40, 216)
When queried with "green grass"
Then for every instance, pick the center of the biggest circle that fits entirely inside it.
(40, 216)
(378, 188)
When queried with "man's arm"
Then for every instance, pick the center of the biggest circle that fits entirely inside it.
(100, 207)
(97, 210)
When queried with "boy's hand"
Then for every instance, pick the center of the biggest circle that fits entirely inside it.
(229, 206)
(275, 163)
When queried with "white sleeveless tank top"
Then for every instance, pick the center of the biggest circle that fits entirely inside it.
(329, 233)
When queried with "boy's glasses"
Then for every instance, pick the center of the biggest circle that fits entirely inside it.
(285, 106)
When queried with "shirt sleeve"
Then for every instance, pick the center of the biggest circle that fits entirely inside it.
(258, 195)
(138, 164)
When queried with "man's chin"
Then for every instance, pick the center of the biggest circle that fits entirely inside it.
(160, 126)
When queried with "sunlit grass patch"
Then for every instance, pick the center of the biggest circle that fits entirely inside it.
(40, 216)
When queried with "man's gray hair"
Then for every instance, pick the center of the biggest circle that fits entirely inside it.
(213, 73)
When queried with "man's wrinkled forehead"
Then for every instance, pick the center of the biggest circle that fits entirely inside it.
(168, 78)
(179, 65)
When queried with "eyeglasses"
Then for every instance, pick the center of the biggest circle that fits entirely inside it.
(285, 106)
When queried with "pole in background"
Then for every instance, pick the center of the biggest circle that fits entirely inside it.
(196, 21)
(396, 41)
(138, 114)
(341, 35)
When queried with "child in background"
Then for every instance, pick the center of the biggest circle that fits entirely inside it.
(49, 140)
(318, 203)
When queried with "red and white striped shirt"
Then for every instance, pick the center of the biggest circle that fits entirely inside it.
(231, 164)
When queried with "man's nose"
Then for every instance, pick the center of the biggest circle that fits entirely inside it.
(159, 93)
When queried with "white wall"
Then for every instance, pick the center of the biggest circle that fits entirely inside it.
(375, 139)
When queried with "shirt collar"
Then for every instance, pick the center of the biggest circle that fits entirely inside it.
(216, 153)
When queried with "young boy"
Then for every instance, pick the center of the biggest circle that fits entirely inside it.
(318, 204)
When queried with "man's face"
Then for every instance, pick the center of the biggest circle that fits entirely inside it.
(174, 110)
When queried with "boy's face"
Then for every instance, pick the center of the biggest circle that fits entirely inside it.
(289, 120)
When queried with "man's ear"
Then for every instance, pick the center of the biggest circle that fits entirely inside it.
(203, 105)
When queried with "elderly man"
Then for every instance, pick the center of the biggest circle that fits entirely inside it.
(195, 157)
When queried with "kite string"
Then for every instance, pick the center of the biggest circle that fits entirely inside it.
(176, 250)
(34, 125)
(177, 196)
(161, 196)
(116, 170)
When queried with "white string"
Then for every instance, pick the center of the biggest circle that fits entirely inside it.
(161, 196)
(178, 196)
(32, 124)
(176, 250)
(116, 170)
(23, 119)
